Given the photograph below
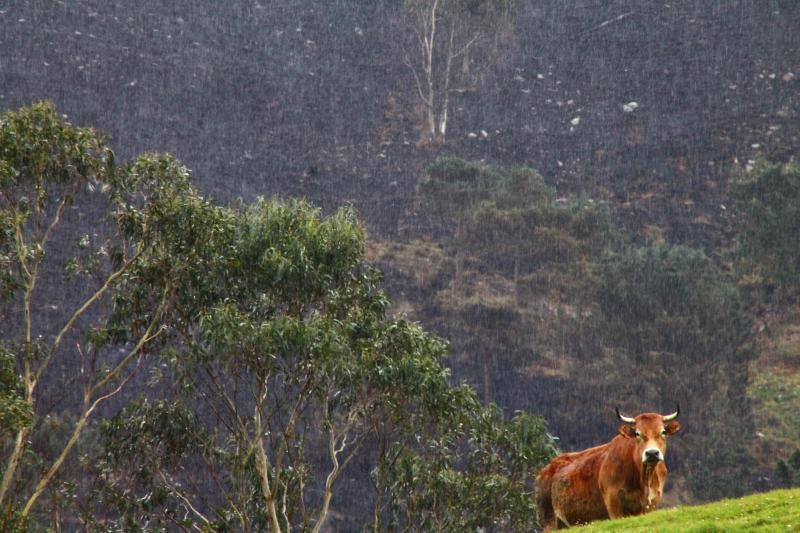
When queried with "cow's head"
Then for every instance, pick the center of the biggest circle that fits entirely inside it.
(650, 431)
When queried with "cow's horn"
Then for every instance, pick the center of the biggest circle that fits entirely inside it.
(625, 419)
(674, 415)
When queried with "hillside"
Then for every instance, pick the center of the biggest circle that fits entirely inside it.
(772, 511)
(586, 255)
(314, 98)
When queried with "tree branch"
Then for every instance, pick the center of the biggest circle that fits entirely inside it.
(76, 433)
(14, 461)
(465, 47)
(333, 452)
(422, 96)
(229, 403)
(59, 211)
(82, 309)
(262, 464)
(146, 337)
(184, 499)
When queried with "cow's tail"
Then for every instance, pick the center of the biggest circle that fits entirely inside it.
(544, 503)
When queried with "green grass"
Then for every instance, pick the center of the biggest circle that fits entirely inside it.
(772, 511)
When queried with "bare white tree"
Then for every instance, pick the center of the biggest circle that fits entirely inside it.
(444, 31)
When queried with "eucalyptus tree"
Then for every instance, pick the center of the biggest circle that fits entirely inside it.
(276, 362)
(286, 369)
(55, 347)
(445, 31)
(273, 339)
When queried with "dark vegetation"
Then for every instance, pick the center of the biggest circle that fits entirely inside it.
(587, 318)
(787, 472)
(648, 259)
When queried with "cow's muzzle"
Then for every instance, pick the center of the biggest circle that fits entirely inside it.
(652, 455)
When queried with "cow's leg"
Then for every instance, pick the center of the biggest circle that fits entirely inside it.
(613, 503)
(561, 521)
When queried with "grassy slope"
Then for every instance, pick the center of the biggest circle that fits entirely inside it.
(772, 511)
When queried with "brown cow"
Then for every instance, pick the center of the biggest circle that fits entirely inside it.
(623, 477)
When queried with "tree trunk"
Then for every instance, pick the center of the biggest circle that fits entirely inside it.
(262, 462)
(446, 90)
(262, 466)
(429, 72)
(13, 462)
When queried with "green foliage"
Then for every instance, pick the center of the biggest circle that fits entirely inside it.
(143, 447)
(143, 431)
(473, 473)
(278, 325)
(279, 360)
(511, 220)
(646, 327)
(45, 165)
(14, 411)
(268, 299)
(454, 187)
(50, 172)
(538, 236)
(44, 161)
(39, 149)
(9, 282)
(522, 188)
(515, 245)
(671, 299)
(768, 205)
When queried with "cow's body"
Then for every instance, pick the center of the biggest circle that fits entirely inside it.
(620, 478)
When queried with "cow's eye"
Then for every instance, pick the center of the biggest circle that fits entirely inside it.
(663, 432)
(638, 434)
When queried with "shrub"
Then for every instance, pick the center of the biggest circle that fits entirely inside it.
(768, 206)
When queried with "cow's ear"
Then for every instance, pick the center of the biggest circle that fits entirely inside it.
(628, 431)
(673, 427)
